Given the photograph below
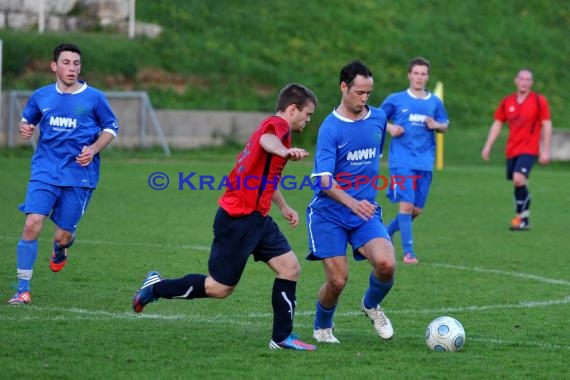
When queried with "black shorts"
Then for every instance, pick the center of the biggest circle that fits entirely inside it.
(237, 238)
(520, 164)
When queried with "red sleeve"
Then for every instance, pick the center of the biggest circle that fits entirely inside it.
(276, 126)
(500, 113)
(544, 108)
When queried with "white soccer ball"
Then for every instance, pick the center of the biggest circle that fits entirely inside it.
(445, 334)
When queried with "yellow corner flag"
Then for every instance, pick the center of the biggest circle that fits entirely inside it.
(439, 136)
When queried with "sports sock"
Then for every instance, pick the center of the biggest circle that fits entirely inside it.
(283, 300)
(59, 249)
(189, 287)
(376, 292)
(26, 254)
(393, 227)
(405, 222)
(522, 199)
(324, 317)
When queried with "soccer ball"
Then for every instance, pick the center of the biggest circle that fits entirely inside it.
(445, 334)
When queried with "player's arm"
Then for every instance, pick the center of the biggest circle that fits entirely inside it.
(88, 152)
(544, 157)
(26, 129)
(288, 213)
(491, 138)
(395, 130)
(271, 144)
(436, 125)
(332, 189)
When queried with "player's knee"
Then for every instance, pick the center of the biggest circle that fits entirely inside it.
(32, 227)
(336, 284)
(215, 289)
(63, 238)
(290, 272)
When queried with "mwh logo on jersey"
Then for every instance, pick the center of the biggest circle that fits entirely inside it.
(361, 155)
(417, 118)
(60, 123)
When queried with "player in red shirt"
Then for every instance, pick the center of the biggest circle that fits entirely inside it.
(530, 131)
(242, 226)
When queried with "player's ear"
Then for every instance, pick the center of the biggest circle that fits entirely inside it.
(53, 66)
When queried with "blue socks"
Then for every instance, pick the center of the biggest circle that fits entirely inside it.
(376, 292)
(405, 222)
(26, 254)
(324, 317)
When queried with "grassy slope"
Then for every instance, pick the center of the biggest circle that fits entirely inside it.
(237, 54)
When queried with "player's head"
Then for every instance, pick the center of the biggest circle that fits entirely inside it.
(296, 94)
(296, 104)
(349, 72)
(523, 80)
(356, 84)
(418, 61)
(65, 47)
(418, 73)
(66, 64)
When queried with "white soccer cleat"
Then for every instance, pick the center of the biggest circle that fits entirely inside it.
(325, 336)
(381, 323)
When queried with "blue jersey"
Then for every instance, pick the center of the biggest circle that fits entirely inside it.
(67, 123)
(350, 152)
(415, 148)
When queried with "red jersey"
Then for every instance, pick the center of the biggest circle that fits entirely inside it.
(525, 122)
(256, 175)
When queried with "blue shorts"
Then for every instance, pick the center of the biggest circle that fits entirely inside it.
(235, 239)
(65, 205)
(408, 185)
(329, 238)
(520, 164)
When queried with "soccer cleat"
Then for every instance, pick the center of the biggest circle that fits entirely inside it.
(381, 323)
(325, 335)
(57, 262)
(519, 224)
(20, 298)
(410, 258)
(291, 343)
(145, 295)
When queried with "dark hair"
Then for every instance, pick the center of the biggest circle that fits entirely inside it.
(418, 61)
(351, 70)
(297, 94)
(64, 47)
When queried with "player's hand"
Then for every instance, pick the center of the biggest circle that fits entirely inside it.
(431, 123)
(85, 157)
(291, 216)
(395, 130)
(544, 158)
(296, 154)
(364, 209)
(26, 130)
(486, 153)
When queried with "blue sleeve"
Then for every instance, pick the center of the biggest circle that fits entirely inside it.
(388, 107)
(32, 112)
(107, 120)
(441, 113)
(325, 156)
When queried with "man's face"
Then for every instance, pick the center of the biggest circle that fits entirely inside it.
(523, 81)
(356, 96)
(418, 77)
(301, 117)
(67, 67)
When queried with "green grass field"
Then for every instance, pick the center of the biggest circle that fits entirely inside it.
(510, 290)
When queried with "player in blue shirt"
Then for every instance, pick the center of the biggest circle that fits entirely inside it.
(343, 209)
(75, 123)
(414, 116)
